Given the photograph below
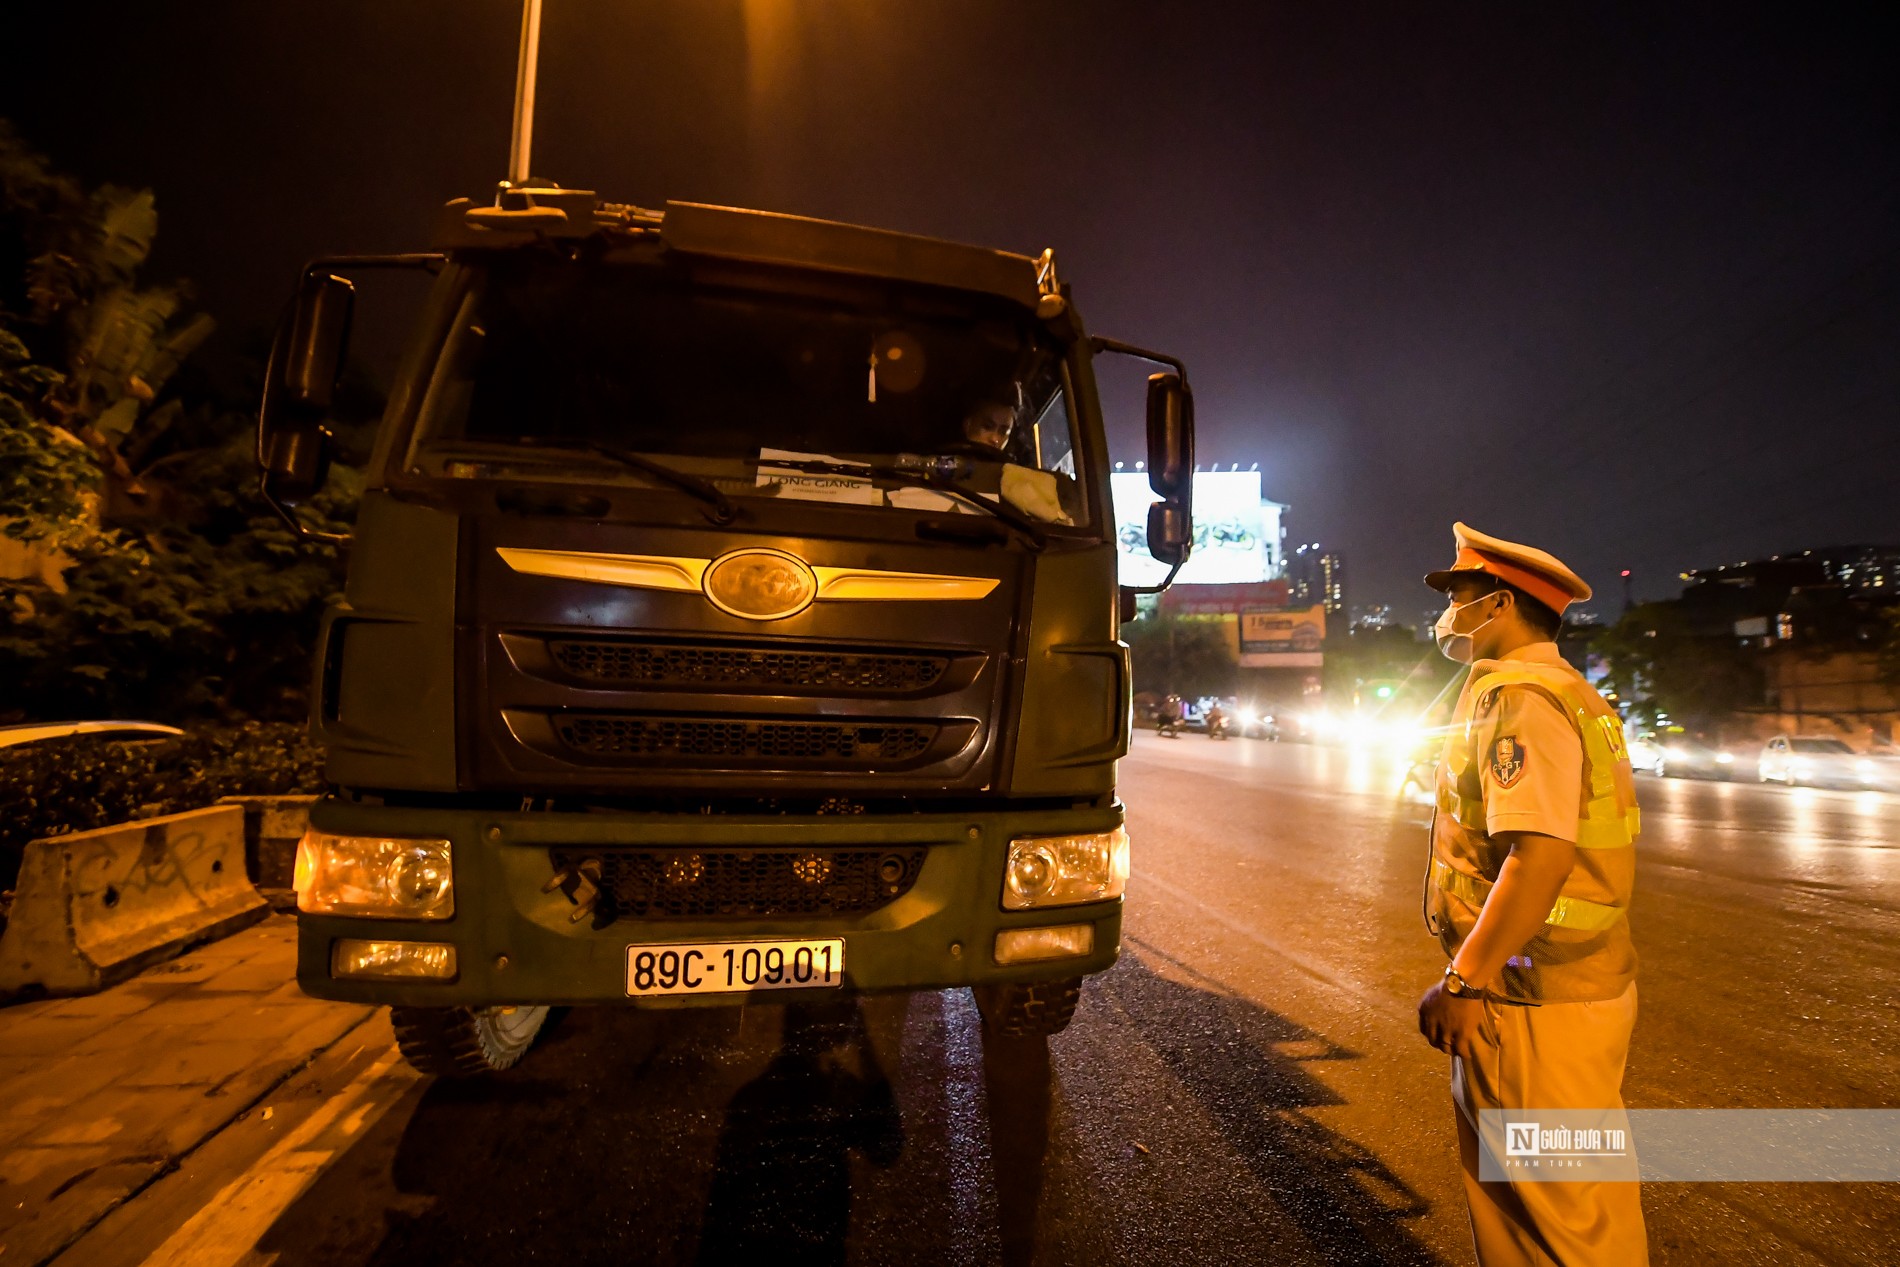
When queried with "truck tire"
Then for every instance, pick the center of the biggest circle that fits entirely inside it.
(1029, 1009)
(462, 1042)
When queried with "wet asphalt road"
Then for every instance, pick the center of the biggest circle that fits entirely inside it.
(1247, 1085)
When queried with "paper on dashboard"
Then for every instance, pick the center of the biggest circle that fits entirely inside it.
(810, 486)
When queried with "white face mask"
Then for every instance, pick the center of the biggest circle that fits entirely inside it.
(1456, 644)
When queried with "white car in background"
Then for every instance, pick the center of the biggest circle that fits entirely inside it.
(40, 731)
(1646, 754)
(1817, 761)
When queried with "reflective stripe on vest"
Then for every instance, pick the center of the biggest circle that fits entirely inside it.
(1603, 824)
(1569, 912)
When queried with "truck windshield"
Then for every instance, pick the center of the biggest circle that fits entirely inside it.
(751, 388)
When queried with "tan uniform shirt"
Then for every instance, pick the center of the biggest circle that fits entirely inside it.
(1527, 768)
(1530, 761)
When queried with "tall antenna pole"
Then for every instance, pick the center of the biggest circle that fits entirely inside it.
(524, 92)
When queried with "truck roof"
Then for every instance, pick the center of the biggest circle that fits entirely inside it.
(759, 237)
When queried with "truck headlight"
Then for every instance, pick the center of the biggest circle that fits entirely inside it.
(393, 960)
(1065, 870)
(390, 877)
(1027, 945)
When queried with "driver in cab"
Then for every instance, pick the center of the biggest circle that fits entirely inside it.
(990, 424)
(989, 427)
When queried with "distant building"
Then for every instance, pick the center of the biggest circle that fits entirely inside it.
(1317, 577)
(1372, 616)
(1812, 624)
(1862, 571)
(1831, 592)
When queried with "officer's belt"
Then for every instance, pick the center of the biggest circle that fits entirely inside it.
(1569, 912)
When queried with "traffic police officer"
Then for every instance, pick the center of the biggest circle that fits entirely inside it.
(1532, 864)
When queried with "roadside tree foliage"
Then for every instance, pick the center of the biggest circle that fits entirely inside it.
(1662, 661)
(1887, 653)
(146, 578)
(1359, 659)
(78, 303)
(77, 784)
(48, 481)
(1190, 656)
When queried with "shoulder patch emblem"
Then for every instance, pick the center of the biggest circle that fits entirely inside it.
(1507, 760)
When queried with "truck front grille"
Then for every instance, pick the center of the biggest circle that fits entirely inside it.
(739, 884)
(843, 744)
(630, 663)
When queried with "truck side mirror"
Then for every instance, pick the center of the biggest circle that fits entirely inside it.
(1170, 436)
(1170, 463)
(298, 463)
(1170, 531)
(294, 448)
(319, 336)
(1170, 468)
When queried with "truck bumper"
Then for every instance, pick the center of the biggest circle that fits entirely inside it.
(516, 944)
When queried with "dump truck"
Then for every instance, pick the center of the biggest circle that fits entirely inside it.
(732, 614)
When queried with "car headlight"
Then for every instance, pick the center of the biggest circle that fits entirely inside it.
(390, 877)
(1065, 870)
(1725, 758)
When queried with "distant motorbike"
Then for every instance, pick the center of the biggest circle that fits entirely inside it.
(1218, 727)
(1168, 727)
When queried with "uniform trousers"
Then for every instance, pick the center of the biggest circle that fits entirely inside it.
(1558, 1056)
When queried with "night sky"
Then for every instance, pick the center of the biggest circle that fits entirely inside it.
(1621, 283)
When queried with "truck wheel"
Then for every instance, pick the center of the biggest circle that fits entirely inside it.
(460, 1042)
(1028, 1009)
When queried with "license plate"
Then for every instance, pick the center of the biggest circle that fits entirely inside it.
(734, 967)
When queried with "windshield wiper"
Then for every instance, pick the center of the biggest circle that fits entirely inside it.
(915, 479)
(723, 510)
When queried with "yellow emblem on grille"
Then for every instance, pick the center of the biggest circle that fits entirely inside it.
(757, 582)
(760, 584)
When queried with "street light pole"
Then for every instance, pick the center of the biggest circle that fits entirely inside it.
(523, 144)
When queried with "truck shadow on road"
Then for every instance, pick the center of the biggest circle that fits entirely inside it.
(872, 1130)
(781, 1176)
(1325, 1197)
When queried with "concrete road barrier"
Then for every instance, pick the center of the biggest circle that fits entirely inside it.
(96, 907)
(272, 827)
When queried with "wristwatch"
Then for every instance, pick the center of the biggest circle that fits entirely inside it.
(1455, 984)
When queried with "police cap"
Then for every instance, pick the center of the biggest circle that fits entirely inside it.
(1541, 575)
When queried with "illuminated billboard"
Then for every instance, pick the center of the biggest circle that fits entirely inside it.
(1236, 532)
(1282, 637)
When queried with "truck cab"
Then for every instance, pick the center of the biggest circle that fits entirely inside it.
(731, 612)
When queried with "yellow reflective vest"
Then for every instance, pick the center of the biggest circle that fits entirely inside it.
(1584, 951)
